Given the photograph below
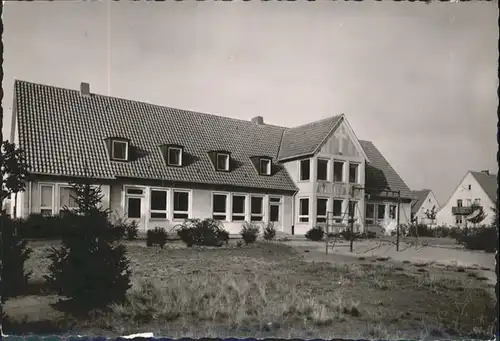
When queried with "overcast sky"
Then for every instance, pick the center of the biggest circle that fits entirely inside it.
(418, 80)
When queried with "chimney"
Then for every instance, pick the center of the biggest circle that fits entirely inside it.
(487, 172)
(259, 120)
(85, 89)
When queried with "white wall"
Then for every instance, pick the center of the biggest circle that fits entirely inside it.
(429, 202)
(445, 216)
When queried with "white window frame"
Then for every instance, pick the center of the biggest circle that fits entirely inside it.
(268, 167)
(226, 168)
(326, 210)
(342, 173)
(337, 219)
(477, 201)
(59, 207)
(328, 161)
(262, 214)
(226, 212)
(113, 142)
(377, 219)
(244, 207)
(190, 204)
(372, 219)
(278, 203)
(300, 170)
(52, 208)
(356, 180)
(180, 156)
(166, 210)
(457, 218)
(301, 216)
(127, 195)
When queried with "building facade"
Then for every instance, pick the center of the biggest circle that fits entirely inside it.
(425, 203)
(158, 165)
(476, 191)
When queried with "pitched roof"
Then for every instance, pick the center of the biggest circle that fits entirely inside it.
(420, 197)
(488, 182)
(62, 132)
(305, 139)
(379, 173)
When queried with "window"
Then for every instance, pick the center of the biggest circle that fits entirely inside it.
(353, 173)
(119, 150)
(370, 214)
(46, 199)
(67, 196)
(458, 219)
(321, 208)
(392, 211)
(137, 191)
(304, 210)
(134, 207)
(477, 202)
(257, 208)
(158, 204)
(265, 166)
(174, 156)
(352, 210)
(322, 169)
(380, 212)
(338, 171)
(222, 162)
(469, 202)
(219, 206)
(275, 199)
(337, 211)
(305, 170)
(470, 187)
(459, 202)
(274, 213)
(238, 207)
(181, 205)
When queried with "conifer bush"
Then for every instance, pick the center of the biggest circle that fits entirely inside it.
(158, 236)
(269, 231)
(249, 232)
(315, 234)
(90, 267)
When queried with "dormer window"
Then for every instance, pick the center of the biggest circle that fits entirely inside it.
(174, 156)
(222, 162)
(265, 166)
(119, 150)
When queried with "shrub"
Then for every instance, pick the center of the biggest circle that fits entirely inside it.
(269, 231)
(420, 230)
(207, 232)
(249, 232)
(90, 267)
(14, 254)
(158, 236)
(37, 226)
(315, 233)
(129, 229)
(481, 238)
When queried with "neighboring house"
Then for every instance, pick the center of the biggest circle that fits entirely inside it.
(424, 203)
(477, 189)
(159, 165)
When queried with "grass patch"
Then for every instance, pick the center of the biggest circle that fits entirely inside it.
(267, 289)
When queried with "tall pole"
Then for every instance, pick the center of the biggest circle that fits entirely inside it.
(351, 218)
(397, 227)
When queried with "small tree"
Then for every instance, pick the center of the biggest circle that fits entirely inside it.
(431, 214)
(479, 217)
(13, 250)
(90, 267)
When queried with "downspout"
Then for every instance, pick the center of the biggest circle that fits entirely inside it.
(30, 193)
(293, 210)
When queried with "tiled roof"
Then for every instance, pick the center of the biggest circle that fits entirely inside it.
(489, 183)
(420, 197)
(305, 139)
(61, 131)
(380, 174)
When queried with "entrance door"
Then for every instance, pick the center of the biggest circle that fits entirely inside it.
(134, 201)
(275, 214)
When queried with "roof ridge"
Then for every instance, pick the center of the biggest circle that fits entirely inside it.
(317, 121)
(152, 104)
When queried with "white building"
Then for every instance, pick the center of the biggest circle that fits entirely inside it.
(477, 189)
(425, 202)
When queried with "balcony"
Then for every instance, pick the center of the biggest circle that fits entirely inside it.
(462, 210)
(338, 189)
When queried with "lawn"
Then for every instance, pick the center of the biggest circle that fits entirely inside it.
(267, 290)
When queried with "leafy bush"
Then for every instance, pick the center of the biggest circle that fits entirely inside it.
(90, 267)
(129, 229)
(480, 238)
(420, 230)
(158, 236)
(14, 254)
(207, 232)
(315, 233)
(249, 232)
(269, 231)
(37, 226)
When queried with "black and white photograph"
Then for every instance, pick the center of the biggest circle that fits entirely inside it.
(250, 169)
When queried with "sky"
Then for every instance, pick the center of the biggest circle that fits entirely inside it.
(419, 80)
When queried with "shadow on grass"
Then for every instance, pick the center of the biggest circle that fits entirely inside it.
(12, 327)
